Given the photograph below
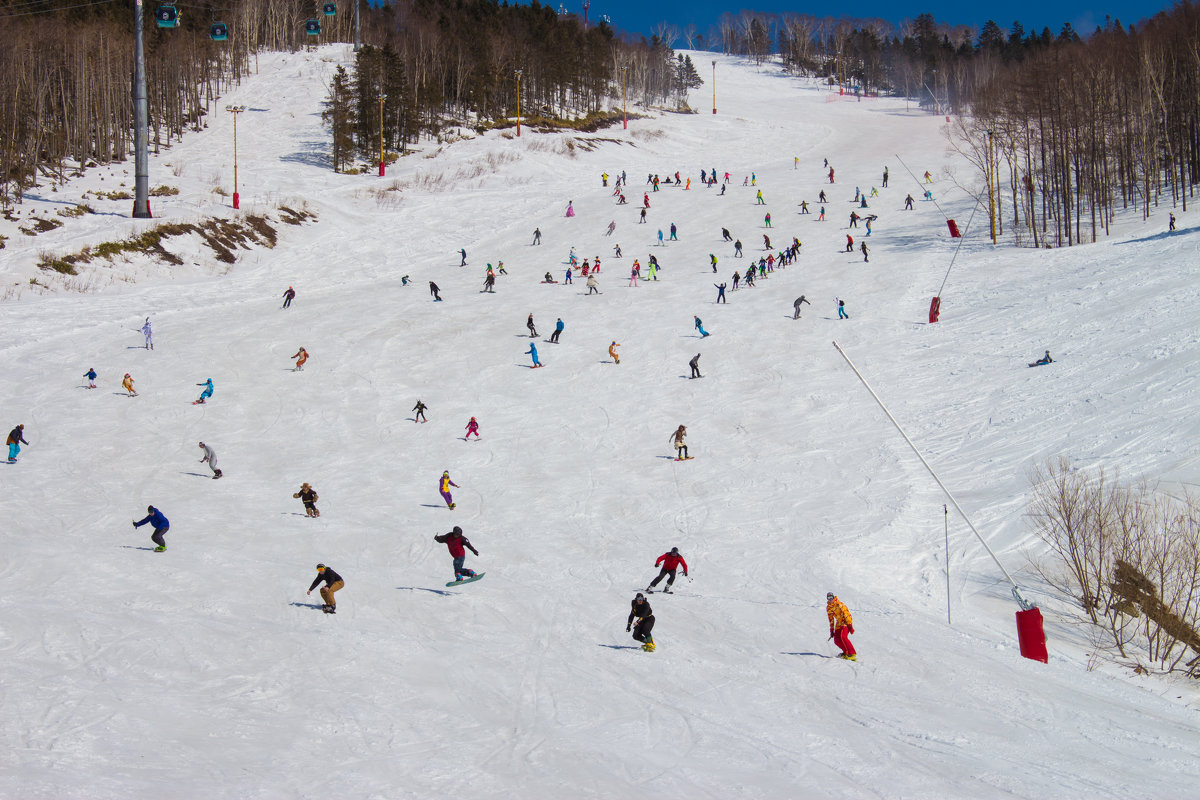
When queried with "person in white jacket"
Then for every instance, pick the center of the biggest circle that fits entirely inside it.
(149, 334)
(211, 458)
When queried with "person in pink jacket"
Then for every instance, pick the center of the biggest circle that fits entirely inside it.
(472, 427)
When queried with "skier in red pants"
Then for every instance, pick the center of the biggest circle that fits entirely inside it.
(670, 562)
(841, 625)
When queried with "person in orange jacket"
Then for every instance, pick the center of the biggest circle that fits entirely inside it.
(612, 351)
(300, 357)
(841, 625)
(670, 562)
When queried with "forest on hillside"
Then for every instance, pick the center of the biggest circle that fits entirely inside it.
(1064, 129)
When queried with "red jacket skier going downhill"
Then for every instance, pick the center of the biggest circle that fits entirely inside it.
(670, 562)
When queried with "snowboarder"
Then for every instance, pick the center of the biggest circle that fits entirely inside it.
(548, 278)
(537, 236)
(91, 376)
(652, 269)
(681, 451)
(458, 545)
(737, 249)
(695, 365)
(617, 250)
(767, 220)
(725, 235)
(866, 253)
(472, 427)
(712, 260)
(16, 438)
(849, 243)
(301, 357)
(841, 625)
(433, 290)
(567, 276)
(288, 296)
(831, 174)
(766, 242)
(821, 198)
(148, 332)
(558, 329)
(612, 351)
(529, 325)
(463, 253)
(660, 237)
(333, 583)
(592, 285)
(640, 609)
(419, 408)
(489, 283)
(928, 177)
(670, 562)
(804, 207)
(604, 178)
(854, 218)
(612, 226)
(206, 393)
(532, 351)
(211, 459)
(127, 384)
(160, 525)
(308, 496)
(908, 203)
(1041, 362)
(1171, 223)
(759, 199)
(642, 217)
(570, 208)
(821, 216)
(720, 292)
(444, 485)
(885, 177)
(796, 305)
(842, 309)
(700, 327)
(675, 238)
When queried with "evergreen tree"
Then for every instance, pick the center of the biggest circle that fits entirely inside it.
(339, 115)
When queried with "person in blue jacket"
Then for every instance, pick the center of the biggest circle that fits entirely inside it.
(532, 351)
(161, 526)
(208, 390)
(91, 376)
(700, 327)
(558, 329)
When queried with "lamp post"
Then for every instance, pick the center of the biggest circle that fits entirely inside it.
(381, 161)
(714, 86)
(141, 123)
(235, 110)
(518, 72)
(624, 113)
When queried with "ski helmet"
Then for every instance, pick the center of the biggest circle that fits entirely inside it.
(640, 596)
(829, 595)
(458, 530)
(149, 509)
(320, 566)
(675, 550)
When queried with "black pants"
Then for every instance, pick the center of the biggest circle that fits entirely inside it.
(554, 336)
(680, 452)
(696, 372)
(641, 631)
(157, 536)
(664, 574)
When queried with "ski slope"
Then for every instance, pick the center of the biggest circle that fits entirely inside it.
(207, 672)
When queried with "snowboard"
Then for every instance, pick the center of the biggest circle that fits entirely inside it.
(537, 366)
(328, 610)
(1040, 364)
(451, 506)
(197, 402)
(466, 580)
(685, 458)
(218, 474)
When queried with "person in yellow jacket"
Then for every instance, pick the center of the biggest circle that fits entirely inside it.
(127, 382)
(841, 625)
(612, 351)
(444, 488)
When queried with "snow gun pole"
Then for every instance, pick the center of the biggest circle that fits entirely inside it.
(946, 518)
(1015, 589)
(961, 239)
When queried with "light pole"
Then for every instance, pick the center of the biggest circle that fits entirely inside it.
(518, 72)
(141, 123)
(381, 162)
(235, 110)
(624, 113)
(714, 86)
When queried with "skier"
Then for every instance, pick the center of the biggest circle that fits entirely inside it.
(908, 203)
(617, 250)
(928, 177)
(500, 268)
(207, 393)
(700, 327)
(660, 237)
(567, 276)
(308, 496)
(127, 383)
(591, 284)
(529, 324)
(211, 458)
(885, 177)
(537, 236)
(867, 222)
(737, 249)
(16, 438)
(720, 292)
(612, 226)
(288, 296)
(160, 525)
(842, 309)
(444, 485)
(604, 178)
(333, 582)
(91, 376)
(725, 235)
(433, 290)
(642, 218)
(612, 351)
(841, 625)
(796, 305)
(736, 278)
(458, 545)
(831, 174)
(1046, 359)
(463, 253)
(570, 208)
(640, 609)
(301, 357)
(149, 334)
(532, 351)
(1171, 222)
(695, 365)
(821, 216)
(675, 238)
(419, 408)
(863, 247)
(849, 243)
(558, 329)
(472, 427)
(670, 562)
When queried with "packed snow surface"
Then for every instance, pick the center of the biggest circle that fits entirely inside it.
(207, 672)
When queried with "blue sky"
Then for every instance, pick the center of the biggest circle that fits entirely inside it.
(641, 17)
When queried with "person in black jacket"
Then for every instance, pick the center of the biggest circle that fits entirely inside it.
(640, 609)
(419, 408)
(308, 496)
(333, 582)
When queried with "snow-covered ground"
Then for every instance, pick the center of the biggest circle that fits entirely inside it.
(207, 672)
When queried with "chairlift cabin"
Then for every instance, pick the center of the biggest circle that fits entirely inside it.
(312, 27)
(218, 31)
(330, 9)
(167, 16)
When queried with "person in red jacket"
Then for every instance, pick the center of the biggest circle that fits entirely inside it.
(670, 562)
(458, 545)
(472, 427)
(841, 625)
